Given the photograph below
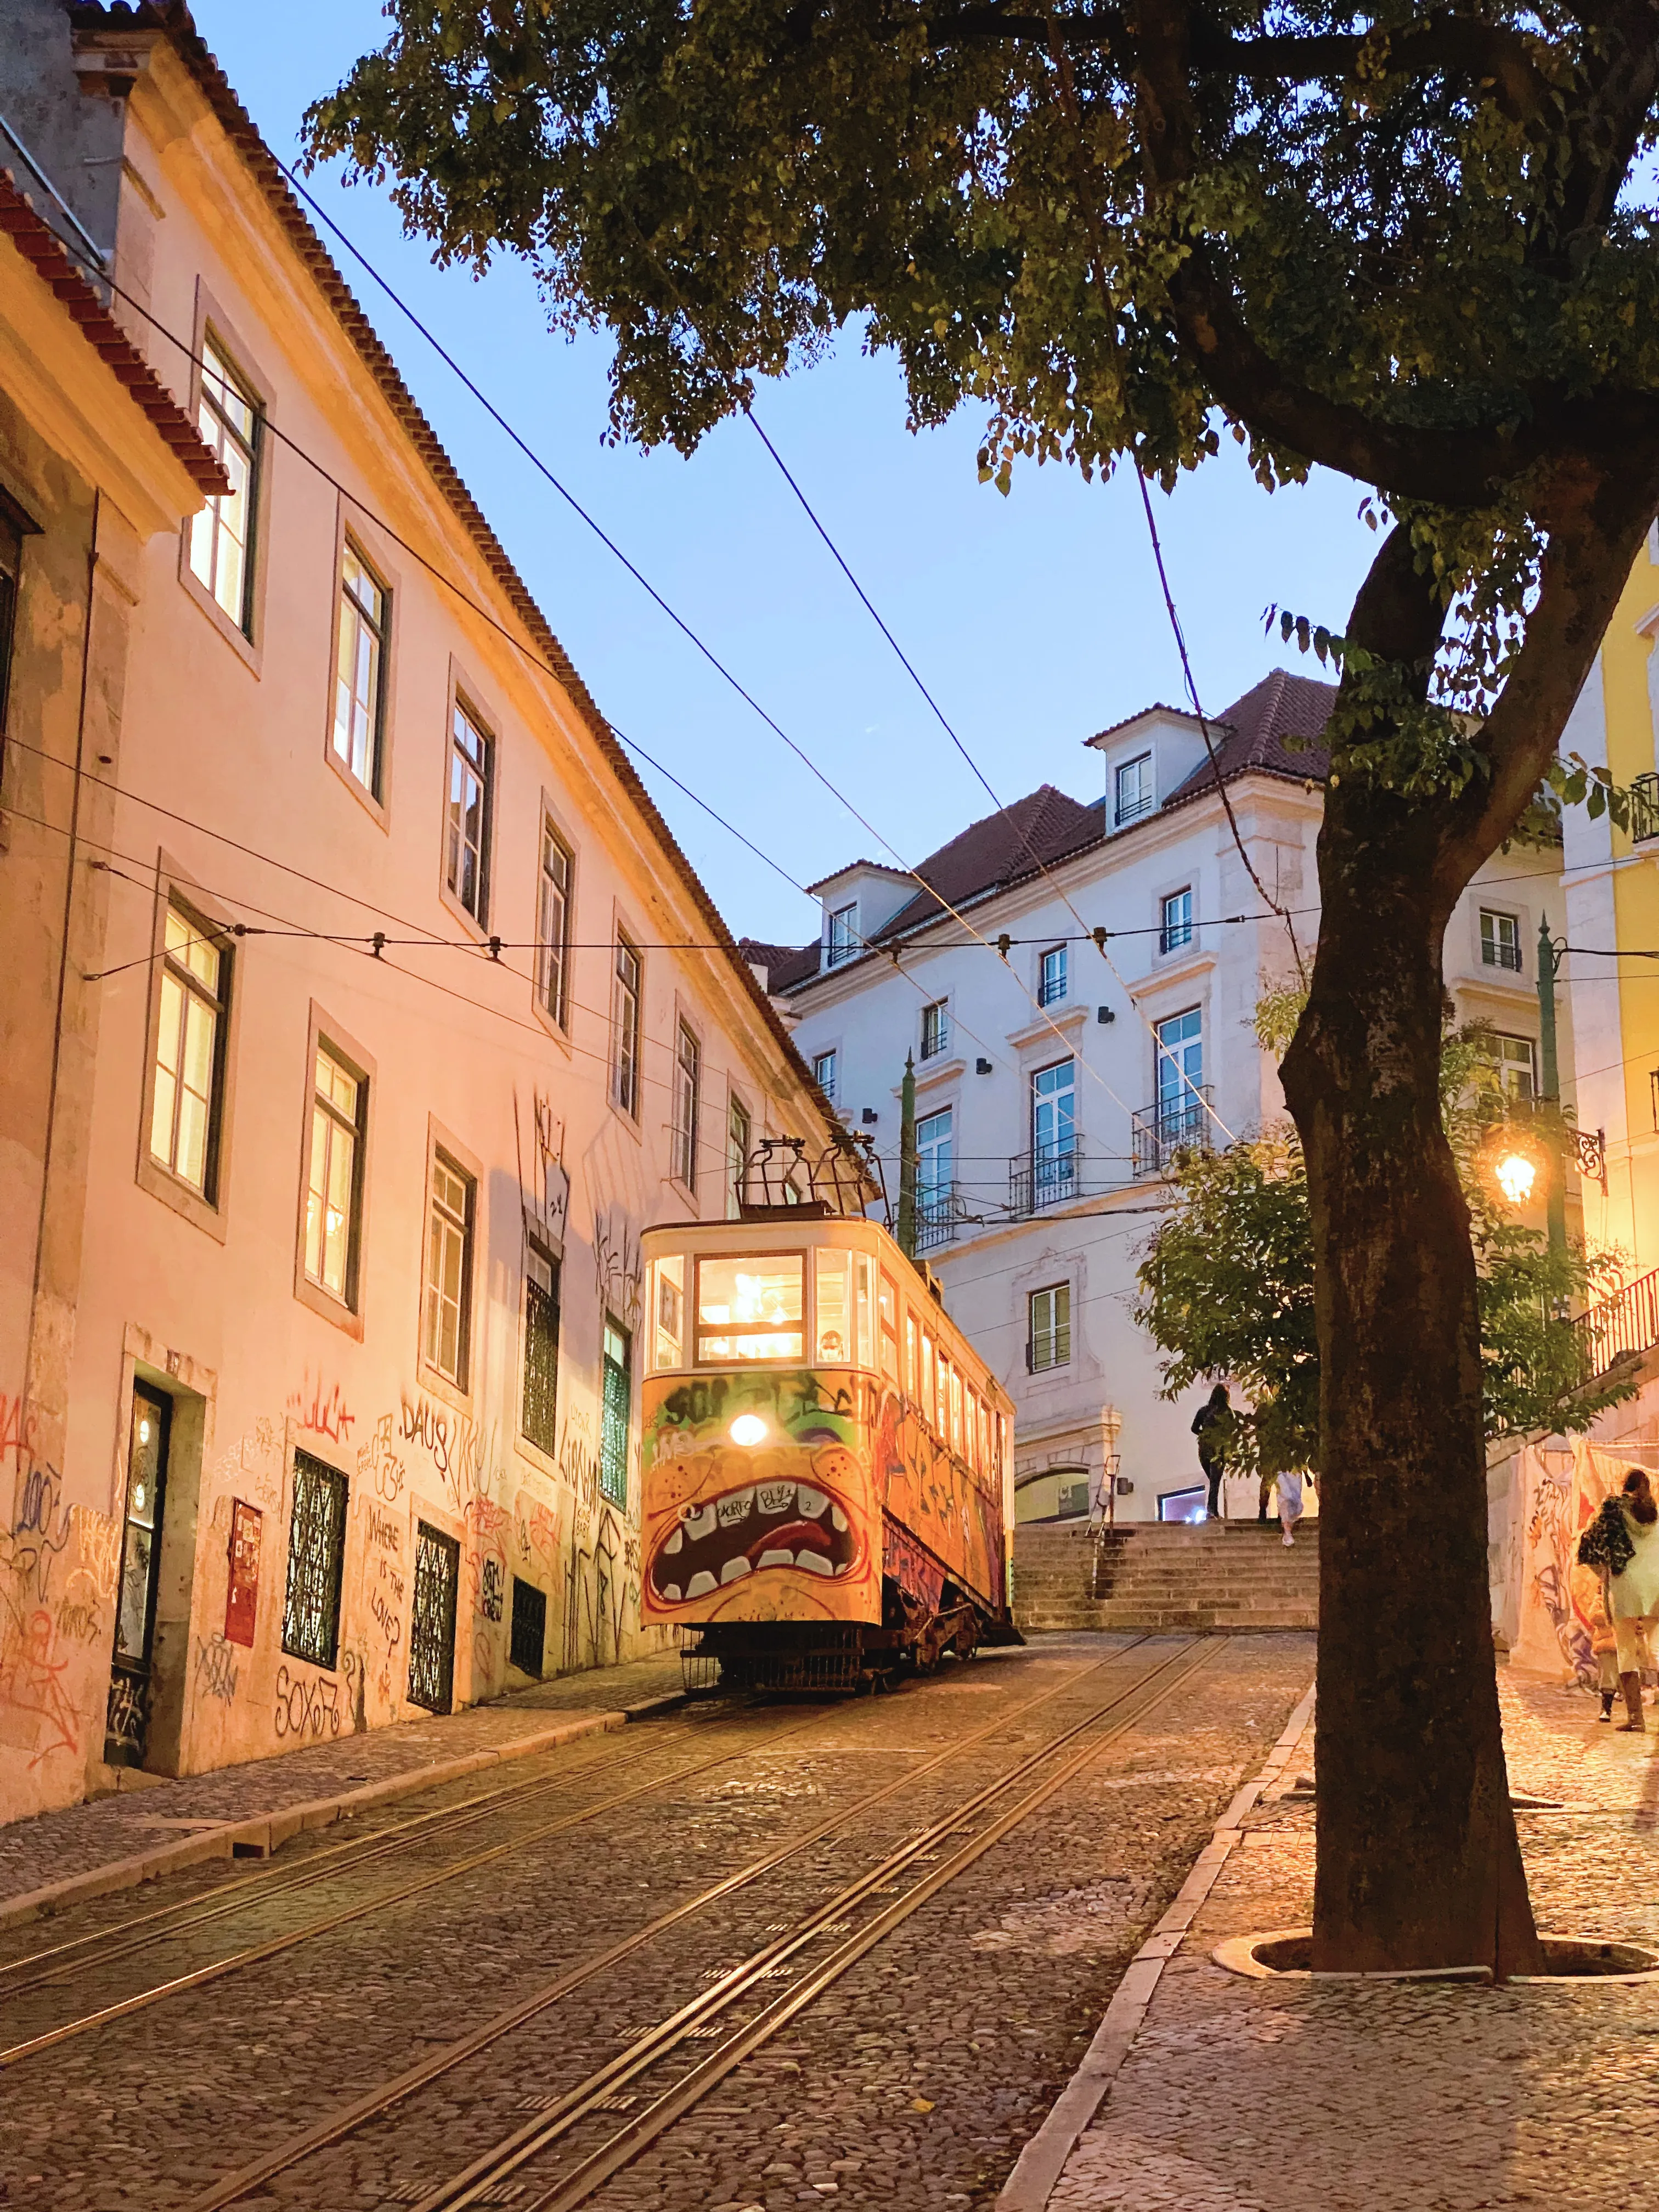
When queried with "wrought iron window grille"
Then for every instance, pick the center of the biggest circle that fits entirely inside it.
(316, 1562)
(432, 1620)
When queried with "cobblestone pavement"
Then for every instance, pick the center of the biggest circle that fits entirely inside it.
(910, 2083)
(54, 1844)
(1289, 2096)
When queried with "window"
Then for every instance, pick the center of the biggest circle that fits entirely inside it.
(833, 1326)
(1509, 1066)
(935, 1028)
(1500, 941)
(823, 1074)
(528, 1647)
(929, 1410)
(333, 1186)
(1133, 790)
(553, 926)
(750, 1309)
(912, 1356)
(1175, 928)
(467, 859)
(625, 1029)
(688, 1104)
(843, 934)
(316, 1561)
(221, 533)
(1072, 1497)
(1053, 1132)
(11, 569)
(1051, 976)
(1048, 1339)
(669, 1306)
(448, 1270)
(887, 1324)
(738, 1146)
(934, 1182)
(432, 1619)
(539, 1424)
(956, 1411)
(360, 670)
(1181, 1074)
(617, 1413)
(185, 1108)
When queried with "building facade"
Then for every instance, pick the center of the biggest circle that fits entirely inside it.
(1076, 985)
(361, 1010)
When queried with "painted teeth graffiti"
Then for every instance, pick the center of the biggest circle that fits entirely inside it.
(756, 1527)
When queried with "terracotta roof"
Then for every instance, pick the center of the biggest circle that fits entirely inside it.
(1274, 727)
(1158, 707)
(174, 18)
(40, 246)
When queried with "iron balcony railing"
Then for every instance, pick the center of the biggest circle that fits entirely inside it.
(1048, 1175)
(938, 1209)
(1178, 1124)
(1626, 1322)
(1644, 806)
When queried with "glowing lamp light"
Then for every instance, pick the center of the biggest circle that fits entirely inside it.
(747, 1429)
(1516, 1175)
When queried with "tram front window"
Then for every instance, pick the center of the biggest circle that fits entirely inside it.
(751, 1308)
(669, 1276)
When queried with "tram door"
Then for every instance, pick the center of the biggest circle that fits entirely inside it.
(127, 1732)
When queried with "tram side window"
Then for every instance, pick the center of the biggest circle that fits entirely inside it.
(929, 1409)
(956, 1411)
(669, 1308)
(866, 1354)
(887, 1319)
(970, 1414)
(912, 1367)
(751, 1307)
(833, 1323)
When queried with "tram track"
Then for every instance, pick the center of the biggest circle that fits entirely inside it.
(696, 2019)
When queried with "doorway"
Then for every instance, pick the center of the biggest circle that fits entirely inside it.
(127, 1726)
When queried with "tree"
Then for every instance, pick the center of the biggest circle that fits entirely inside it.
(1409, 245)
(1227, 1285)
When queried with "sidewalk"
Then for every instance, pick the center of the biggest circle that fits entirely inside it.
(1240, 2095)
(113, 1842)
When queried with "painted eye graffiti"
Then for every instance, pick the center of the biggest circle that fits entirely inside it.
(746, 1531)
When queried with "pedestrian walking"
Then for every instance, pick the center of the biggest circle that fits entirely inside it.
(1623, 1540)
(1209, 1426)
(1289, 1502)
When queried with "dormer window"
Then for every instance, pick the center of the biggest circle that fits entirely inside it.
(843, 933)
(1133, 790)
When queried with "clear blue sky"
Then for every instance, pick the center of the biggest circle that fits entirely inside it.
(1035, 619)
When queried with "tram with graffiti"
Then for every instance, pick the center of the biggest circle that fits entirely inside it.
(828, 1487)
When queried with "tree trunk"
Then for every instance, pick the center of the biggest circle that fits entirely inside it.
(1418, 1861)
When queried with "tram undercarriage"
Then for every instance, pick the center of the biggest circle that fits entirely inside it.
(841, 1655)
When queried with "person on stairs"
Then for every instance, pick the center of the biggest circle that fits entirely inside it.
(1210, 1425)
(1624, 1540)
(1290, 1503)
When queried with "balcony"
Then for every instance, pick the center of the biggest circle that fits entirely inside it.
(1625, 1323)
(1645, 807)
(1050, 1177)
(938, 1211)
(1172, 1125)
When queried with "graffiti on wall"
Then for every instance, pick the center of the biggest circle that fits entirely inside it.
(321, 1408)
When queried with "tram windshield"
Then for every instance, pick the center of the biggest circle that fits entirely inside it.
(751, 1308)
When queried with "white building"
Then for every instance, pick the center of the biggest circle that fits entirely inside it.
(1058, 1069)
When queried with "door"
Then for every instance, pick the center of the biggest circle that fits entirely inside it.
(432, 1629)
(1053, 1132)
(126, 1728)
(1181, 1077)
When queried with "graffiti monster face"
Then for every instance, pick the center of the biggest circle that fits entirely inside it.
(751, 1529)
(761, 1534)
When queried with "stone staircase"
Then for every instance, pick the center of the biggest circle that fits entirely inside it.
(1158, 1575)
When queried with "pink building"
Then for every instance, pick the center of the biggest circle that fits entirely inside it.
(359, 1009)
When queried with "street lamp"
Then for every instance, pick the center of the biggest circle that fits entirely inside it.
(1515, 1174)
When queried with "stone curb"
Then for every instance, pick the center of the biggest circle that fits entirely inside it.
(257, 1836)
(1042, 2163)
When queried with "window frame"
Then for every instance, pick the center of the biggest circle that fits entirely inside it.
(629, 1107)
(214, 328)
(536, 1253)
(609, 1324)
(337, 1568)
(935, 1020)
(441, 1146)
(685, 1124)
(696, 1328)
(832, 1053)
(174, 888)
(14, 536)
(735, 1184)
(556, 1017)
(1045, 996)
(1495, 1062)
(1148, 802)
(1498, 963)
(841, 947)
(1057, 1328)
(324, 1034)
(463, 699)
(1180, 936)
(373, 794)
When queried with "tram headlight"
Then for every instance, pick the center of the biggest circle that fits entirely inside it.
(747, 1429)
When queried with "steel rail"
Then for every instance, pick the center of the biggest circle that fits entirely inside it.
(176, 1984)
(486, 2173)
(268, 1881)
(375, 2101)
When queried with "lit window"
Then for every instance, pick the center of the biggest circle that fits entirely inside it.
(750, 1309)
(823, 1074)
(616, 1417)
(887, 1321)
(1509, 1066)
(221, 532)
(737, 1157)
(1176, 929)
(1500, 941)
(625, 1029)
(331, 1189)
(843, 933)
(553, 926)
(1048, 1339)
(468, 855)
(448, 1270)
(935, 1028)
(186, 1108)
(833, 1321)
(1051, 976)
(1133, 790)
(360, 671)
(669, 1306)
(687, 1101)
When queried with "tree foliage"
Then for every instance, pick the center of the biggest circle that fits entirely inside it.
(1227, 1282)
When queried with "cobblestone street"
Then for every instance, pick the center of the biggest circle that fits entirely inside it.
(741, 1953)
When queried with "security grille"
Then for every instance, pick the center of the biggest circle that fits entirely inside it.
(316, 1556)
(618, 1405)
(529, 1627)
(432, 1630)
(541, 1351)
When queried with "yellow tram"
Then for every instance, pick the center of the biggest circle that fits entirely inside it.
(828, 1485)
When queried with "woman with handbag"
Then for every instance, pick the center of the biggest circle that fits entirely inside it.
(1624, 1541)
